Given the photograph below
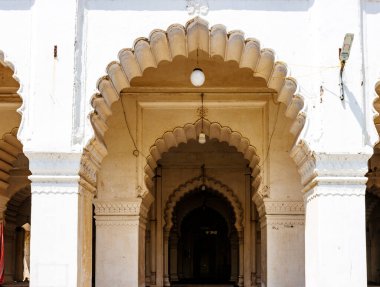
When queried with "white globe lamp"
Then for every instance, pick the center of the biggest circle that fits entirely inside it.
(197, 77)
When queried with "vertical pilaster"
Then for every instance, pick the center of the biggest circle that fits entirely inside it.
(159, 230)
(247, 233)
(335, 218)
(284, 236)
(120, 224)
(166, 258)
(234, 257)
(173, 256)
(54, 235)
(86, 195)
(335, 234)
(241, 258)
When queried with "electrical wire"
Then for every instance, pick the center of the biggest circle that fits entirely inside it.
(271, 136)
(136, 151)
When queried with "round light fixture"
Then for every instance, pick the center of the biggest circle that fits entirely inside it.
(202, 138)
(197, 77)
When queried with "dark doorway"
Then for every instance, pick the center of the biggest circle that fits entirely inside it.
(202, 239)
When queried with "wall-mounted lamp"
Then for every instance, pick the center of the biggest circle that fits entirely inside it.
(344, 54)
(197, 77)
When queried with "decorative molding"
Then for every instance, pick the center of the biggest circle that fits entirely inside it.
(344, 191)
(195, 183)
(54, 185)
(130, 207)
(284, 207)
(129, 221)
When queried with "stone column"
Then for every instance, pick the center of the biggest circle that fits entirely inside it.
(120, 224)
(282, 244)
(54, 219)
(147, 256)
(335, 219)
(247, 234)
(241, 258)
(335, 235)
(234, 257)
(173, 256)
(85, 216)
(166, 258)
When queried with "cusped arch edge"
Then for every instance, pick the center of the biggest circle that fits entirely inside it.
(195, 183)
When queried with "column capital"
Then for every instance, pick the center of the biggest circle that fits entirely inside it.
(317, 168)
(128, 207)
(54, 173)
(281, 208)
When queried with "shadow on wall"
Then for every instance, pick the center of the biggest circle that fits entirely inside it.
(16, 5)
(180, 5)
(372, 7)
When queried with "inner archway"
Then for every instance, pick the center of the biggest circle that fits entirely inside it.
(203, 241)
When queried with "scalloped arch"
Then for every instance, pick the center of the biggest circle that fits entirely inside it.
(4, 60)
(216, 44)
(373, 163)
(194, 183)
(188, 132)
(10, 149)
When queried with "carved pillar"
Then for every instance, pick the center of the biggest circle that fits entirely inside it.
(173, 256)
(120, 224)
(166, 258)
(335, 218)
(241, 258)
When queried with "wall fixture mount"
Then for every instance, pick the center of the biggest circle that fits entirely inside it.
(344, 54)
(202, 112)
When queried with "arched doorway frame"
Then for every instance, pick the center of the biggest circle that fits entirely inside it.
(221, 189)
(165, 46)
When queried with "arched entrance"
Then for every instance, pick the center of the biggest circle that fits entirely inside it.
(147, 98)
(203, 241)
